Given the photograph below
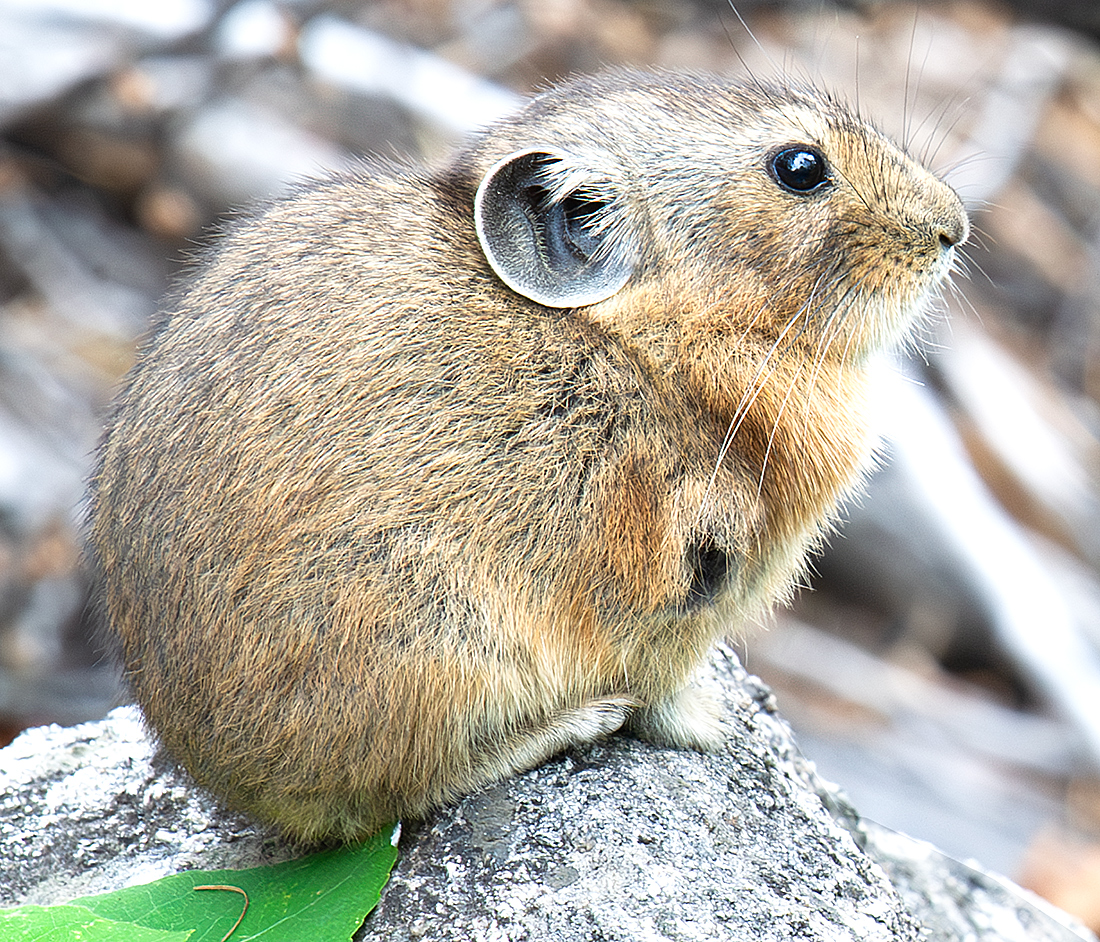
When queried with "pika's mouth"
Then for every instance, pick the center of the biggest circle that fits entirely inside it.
(946, 264)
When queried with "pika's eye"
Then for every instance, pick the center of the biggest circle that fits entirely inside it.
(800, 169)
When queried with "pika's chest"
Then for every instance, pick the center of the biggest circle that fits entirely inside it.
(722, 508)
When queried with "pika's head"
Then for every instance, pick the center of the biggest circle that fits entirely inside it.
(771, 207)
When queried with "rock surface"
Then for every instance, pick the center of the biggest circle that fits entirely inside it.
(621, 841)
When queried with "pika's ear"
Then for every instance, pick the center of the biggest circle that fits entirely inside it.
(554, 231)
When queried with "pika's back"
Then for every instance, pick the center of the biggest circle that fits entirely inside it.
(427, 475)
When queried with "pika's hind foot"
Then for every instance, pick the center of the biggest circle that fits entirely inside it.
(574, 727)
(689, 719)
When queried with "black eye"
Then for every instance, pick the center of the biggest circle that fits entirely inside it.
(800, 169)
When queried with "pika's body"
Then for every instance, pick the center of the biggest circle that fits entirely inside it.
(428, 475)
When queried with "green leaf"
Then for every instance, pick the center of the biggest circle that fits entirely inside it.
(321, 898)
(69, 923)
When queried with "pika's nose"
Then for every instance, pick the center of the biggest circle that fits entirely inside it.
(954, 229)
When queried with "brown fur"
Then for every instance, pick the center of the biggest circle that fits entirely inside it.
(375, 530)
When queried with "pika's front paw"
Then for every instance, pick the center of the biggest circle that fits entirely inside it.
(689, 719)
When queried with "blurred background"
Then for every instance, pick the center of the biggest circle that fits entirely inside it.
(945, 667)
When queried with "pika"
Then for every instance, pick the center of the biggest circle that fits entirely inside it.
(429, 474)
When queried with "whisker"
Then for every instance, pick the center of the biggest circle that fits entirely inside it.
(856, 78)
(906, 140)
(848, 344)
(819, 355)
(756, 388)
(965, 161)
(964, 302)
(775, 431)
(943, 133)
(840, 310)
(759, 45)
(752, 393)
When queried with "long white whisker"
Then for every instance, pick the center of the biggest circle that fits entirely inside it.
(756, 387)
(748, 399)
(759, 45)
(906, 141)
(774, 432)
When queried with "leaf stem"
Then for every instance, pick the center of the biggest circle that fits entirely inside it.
(232, 889)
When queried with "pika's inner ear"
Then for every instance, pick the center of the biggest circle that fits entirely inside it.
(553, 231)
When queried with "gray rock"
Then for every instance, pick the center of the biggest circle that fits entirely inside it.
(90, 808)
(956, 900)
(623, 840)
